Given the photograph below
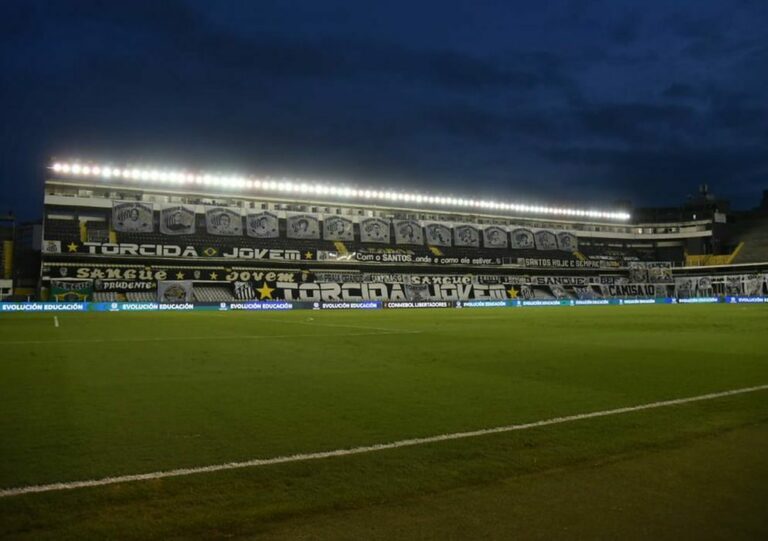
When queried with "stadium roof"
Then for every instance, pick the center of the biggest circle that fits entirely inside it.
(269, 186)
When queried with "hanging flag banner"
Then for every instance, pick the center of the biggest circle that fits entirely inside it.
(495, 237)
(243, 291)
(374, 230)
(71, 290)
(437, 234)
(567, 242)
(177, 220)
(753, 284)
(262, 225)
(223, 221)
(302, 226)
(466, 235)
(408, 232)
(522, 239)
(132, 217)
(338, 228)
(174, 291)
(545, 240)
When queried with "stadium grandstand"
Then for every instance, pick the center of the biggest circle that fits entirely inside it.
(139, 234)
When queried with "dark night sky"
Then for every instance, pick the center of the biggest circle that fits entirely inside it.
(557, 101)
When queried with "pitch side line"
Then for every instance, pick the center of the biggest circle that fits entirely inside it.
(302, 457)
(382, 332)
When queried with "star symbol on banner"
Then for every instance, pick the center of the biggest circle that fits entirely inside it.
(72, 247)
(512, 292)
(179, 275)
(307, 255)
(265, 292)
(214, 276)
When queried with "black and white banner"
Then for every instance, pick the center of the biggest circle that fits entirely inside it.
(567, 242)
(378, 291)
(495, 237)
(374, 230)
(545, 240)
(224, 221)
(177, 220)
(437, 234)
(262, 225)
(302, 226)
(132, 217)
(338, 228)
(522, 239)
(408, 232)
(243, 291)
(633, 290)
(174, 291)
(466, 235)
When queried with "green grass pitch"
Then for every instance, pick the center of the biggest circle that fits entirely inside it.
(106, 395)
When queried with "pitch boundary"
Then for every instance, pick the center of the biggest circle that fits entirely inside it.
(302, 457)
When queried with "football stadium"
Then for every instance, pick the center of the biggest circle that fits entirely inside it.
(229, 356)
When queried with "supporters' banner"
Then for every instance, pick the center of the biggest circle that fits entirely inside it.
(302, 226)
(522, 239)
(545, 240)
(733, 285)
(177, 220)
(243, 291)
(378, 291)
(558, 291)
(638, 274)
(525, 292)
(585, 293)
(548, 262)
(704, 286)
(659, 273)
(262, 225)
(174, 291)
(71, 290)
(374, 230)
(408, 232)
(685, 287)
(132, 217)
(223, 221)
(437, 234)
(338, 228)
(466, 235)
(495, 237)
(567, 242)
(123, 286)
(630, 290)
(753, 284)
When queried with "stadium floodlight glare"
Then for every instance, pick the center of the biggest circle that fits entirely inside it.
(166, 176)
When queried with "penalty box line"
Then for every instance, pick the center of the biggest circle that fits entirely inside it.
(302, 457)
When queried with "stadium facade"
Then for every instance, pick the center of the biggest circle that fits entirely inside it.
(114, 234)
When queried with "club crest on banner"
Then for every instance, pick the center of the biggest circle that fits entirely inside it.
(338, 228)
(495, 237)
(466, 235)
(408, 232)
(438, 234)
(174, 291)
(302, 226)
(177, 220)
(262, 225)
(223, 221)
(374, 230)
(132, 217)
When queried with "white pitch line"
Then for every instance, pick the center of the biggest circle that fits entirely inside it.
(185, 338)
(302, 457)
(343, 326)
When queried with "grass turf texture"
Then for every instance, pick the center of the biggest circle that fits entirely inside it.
(115, 394)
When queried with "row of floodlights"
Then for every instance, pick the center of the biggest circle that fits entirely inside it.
(285, 186)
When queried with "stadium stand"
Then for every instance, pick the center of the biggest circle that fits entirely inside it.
(232, 244)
